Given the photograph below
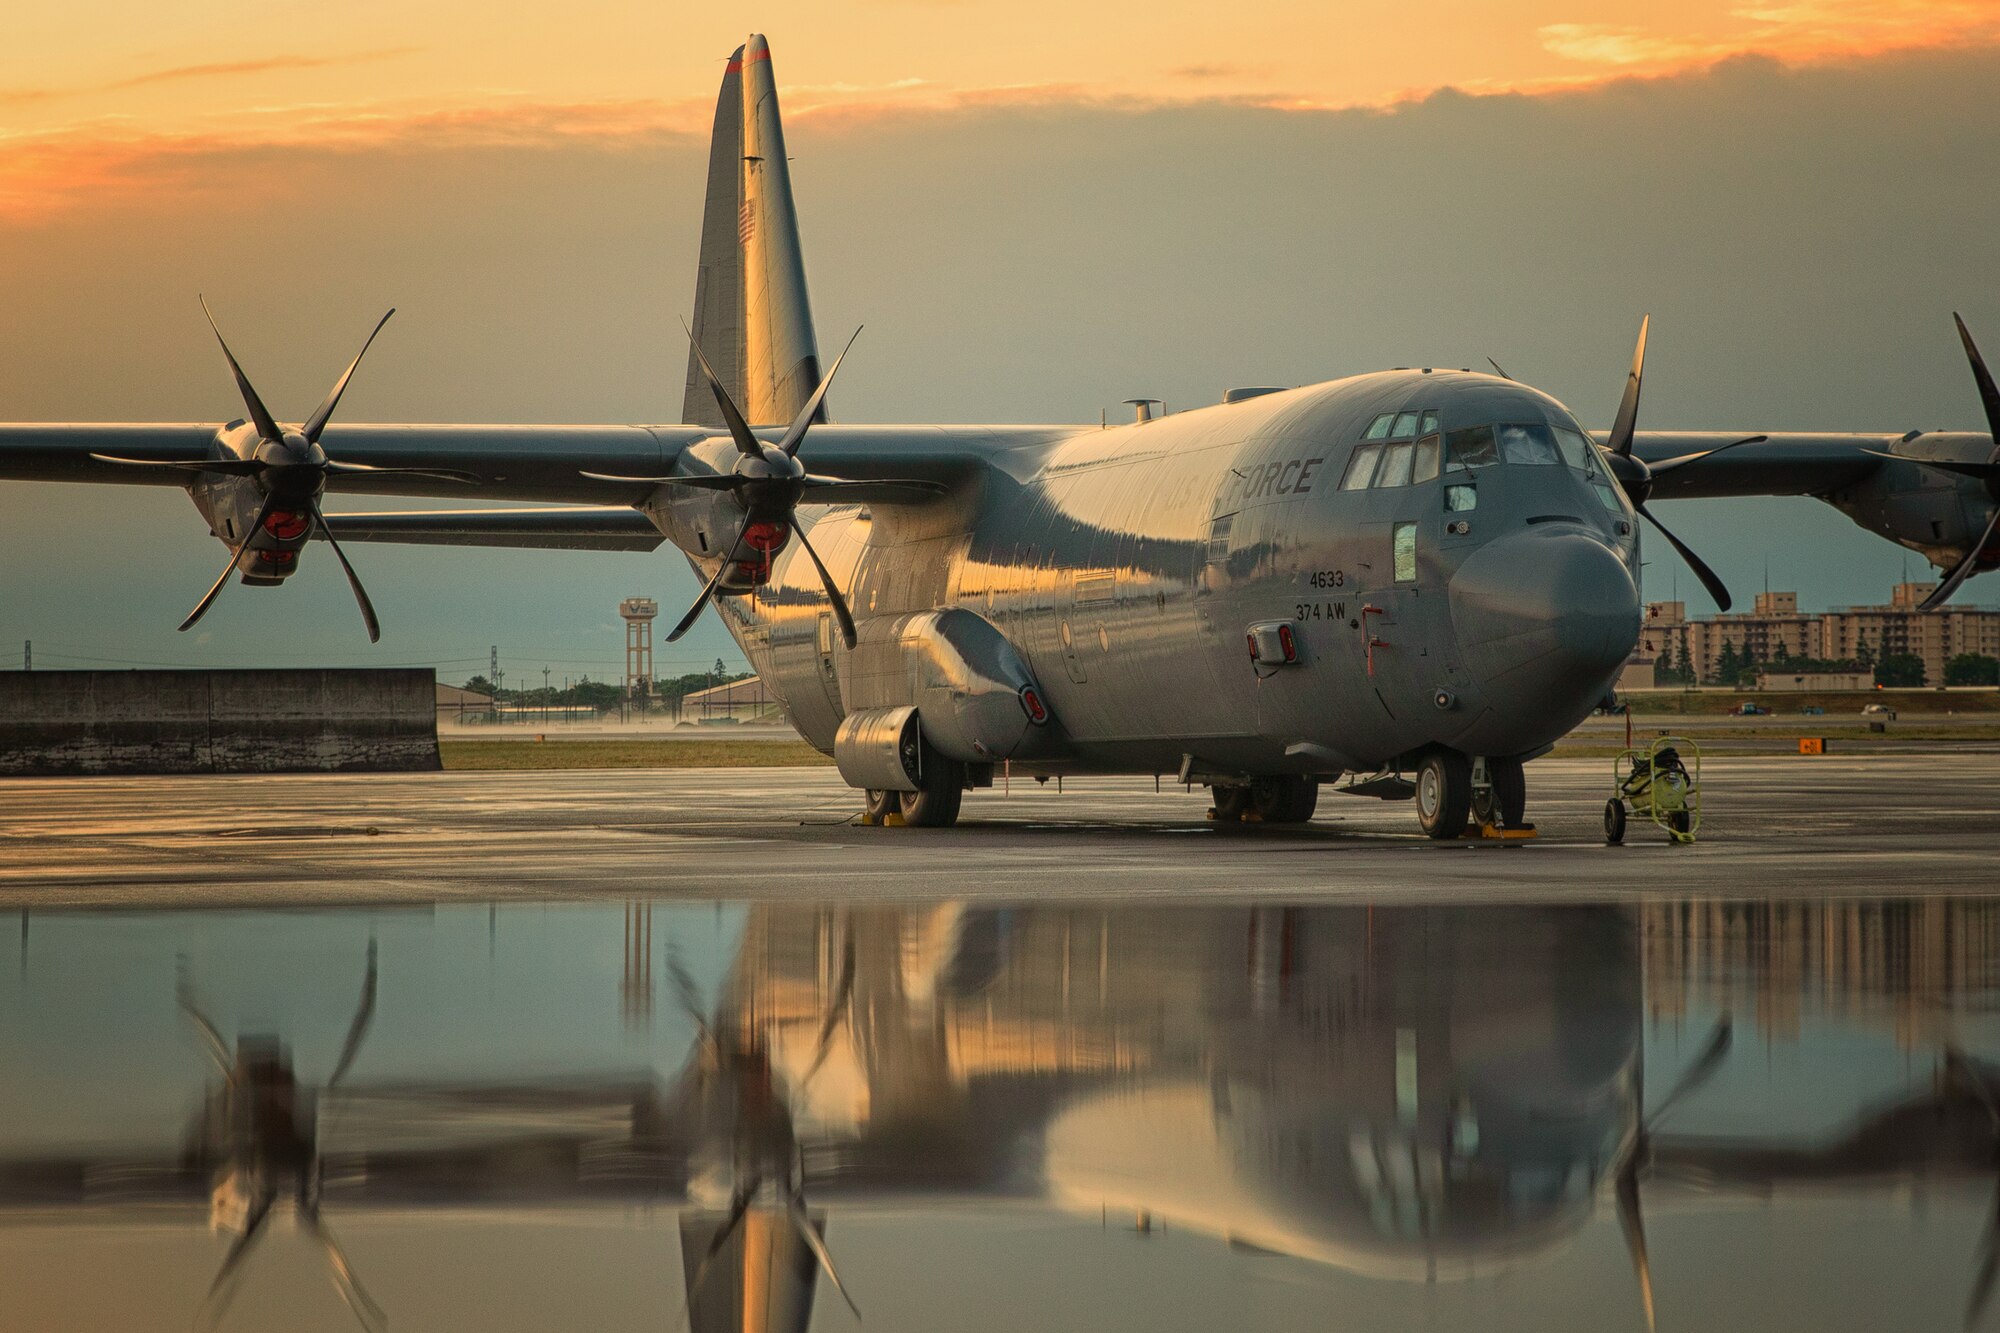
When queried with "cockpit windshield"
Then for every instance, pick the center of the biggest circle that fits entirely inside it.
(1532, 444)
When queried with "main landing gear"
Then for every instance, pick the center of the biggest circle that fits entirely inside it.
(1284, 800)
(934, 804)
(1457, 796)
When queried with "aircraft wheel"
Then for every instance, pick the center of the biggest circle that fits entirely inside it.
(879, 805)
(1506, 796)
(935, 804)
(1284, 800)
(1614, 822)
(1231, 803)
(1444, 793)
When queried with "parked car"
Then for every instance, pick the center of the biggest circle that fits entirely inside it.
(1882, 712)
(1750, 710)
(1812, 710)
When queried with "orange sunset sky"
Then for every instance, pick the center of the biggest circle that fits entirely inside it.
(91, 90)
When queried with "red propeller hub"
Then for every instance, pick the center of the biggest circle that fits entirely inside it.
(767, 538)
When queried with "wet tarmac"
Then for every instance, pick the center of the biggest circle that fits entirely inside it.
(1772, 825)
(690, 1049)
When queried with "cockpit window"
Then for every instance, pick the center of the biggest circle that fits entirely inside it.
(1406, 426)
(1361, 468)
(1578, 452)
(1395, 468)
(1534, 445)
(1472, 447)
(1430, 424)
(1379, 428)
(1425, 468)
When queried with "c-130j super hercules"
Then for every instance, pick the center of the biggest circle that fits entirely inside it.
(1425, 570)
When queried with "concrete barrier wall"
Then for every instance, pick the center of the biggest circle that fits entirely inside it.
(80, 722)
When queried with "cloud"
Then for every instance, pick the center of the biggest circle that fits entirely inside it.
(215, 70)
(1795, 34)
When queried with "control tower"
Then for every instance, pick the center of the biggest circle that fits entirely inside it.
(638, 613)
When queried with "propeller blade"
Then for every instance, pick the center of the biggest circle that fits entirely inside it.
(843, 990)
(738, 1206)
(370, 470)
(707, 590)
(370, 1315)
(1705, 1064)
(1963, 570)
(364, 1014)
(235, 557)
(260, 416)
(688, 997)
(222, 467)
(223, 1289)
(739, 431)
(316, 423)
(1980, 471)
(718, 482)
(1989, 396)
(796, 433)
(1668, 465)
(212, 1043)
(840, 611)
(1633, 1224)
(1709, 580)
(1627, 420)
(796, 1210)
(1496, 369)
(353, 579)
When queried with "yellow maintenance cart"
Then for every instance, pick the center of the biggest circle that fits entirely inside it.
(1656, 782)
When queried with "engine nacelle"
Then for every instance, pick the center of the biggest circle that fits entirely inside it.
(230, 506)
(1927, 510)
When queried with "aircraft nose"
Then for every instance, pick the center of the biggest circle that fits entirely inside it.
(1544, 620)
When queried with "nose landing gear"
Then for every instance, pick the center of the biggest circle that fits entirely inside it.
(1461, 797)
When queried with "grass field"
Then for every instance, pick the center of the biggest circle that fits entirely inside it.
(1837, 706)
(527, 754)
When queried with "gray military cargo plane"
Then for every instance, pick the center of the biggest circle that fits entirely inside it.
(1421, 570)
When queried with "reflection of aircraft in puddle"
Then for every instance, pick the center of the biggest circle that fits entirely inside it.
(257, 1138)
(1410, 1093)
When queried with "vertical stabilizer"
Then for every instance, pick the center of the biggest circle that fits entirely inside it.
(781, 355)
(718, 283)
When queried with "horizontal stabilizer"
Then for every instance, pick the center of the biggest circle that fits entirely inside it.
(566, 527)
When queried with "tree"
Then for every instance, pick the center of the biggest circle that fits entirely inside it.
(1972, 669)
(479, 685)
(1900, 671)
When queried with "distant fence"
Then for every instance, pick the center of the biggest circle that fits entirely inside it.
(86, 722)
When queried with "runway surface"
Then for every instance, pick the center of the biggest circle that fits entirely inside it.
(1775, 826)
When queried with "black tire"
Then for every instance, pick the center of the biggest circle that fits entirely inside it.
(1680, 821)
(1231, 803)
(1614, 822)
(1284, 800)
(1505, 799)
(879, 805)
(935, 803)
(1444, 793)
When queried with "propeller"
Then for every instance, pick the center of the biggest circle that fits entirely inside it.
(770, 483)
(273, 1150)
(1636, 477)
(1989, 471)
(291, 469)
(1631, 1220)
(792, 1186)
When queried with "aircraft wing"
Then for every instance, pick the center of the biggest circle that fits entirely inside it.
(564, 528)
(535, 463)
(1787, 463)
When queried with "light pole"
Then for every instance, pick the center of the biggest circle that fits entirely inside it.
(545, 696)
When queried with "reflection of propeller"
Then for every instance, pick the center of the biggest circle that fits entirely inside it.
(291, 469)
(770, 483)
(1636, 477)
(1989, 471)
(1961, 1070)
(1630, 1219)
(780, 1159)
(272, 1136)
